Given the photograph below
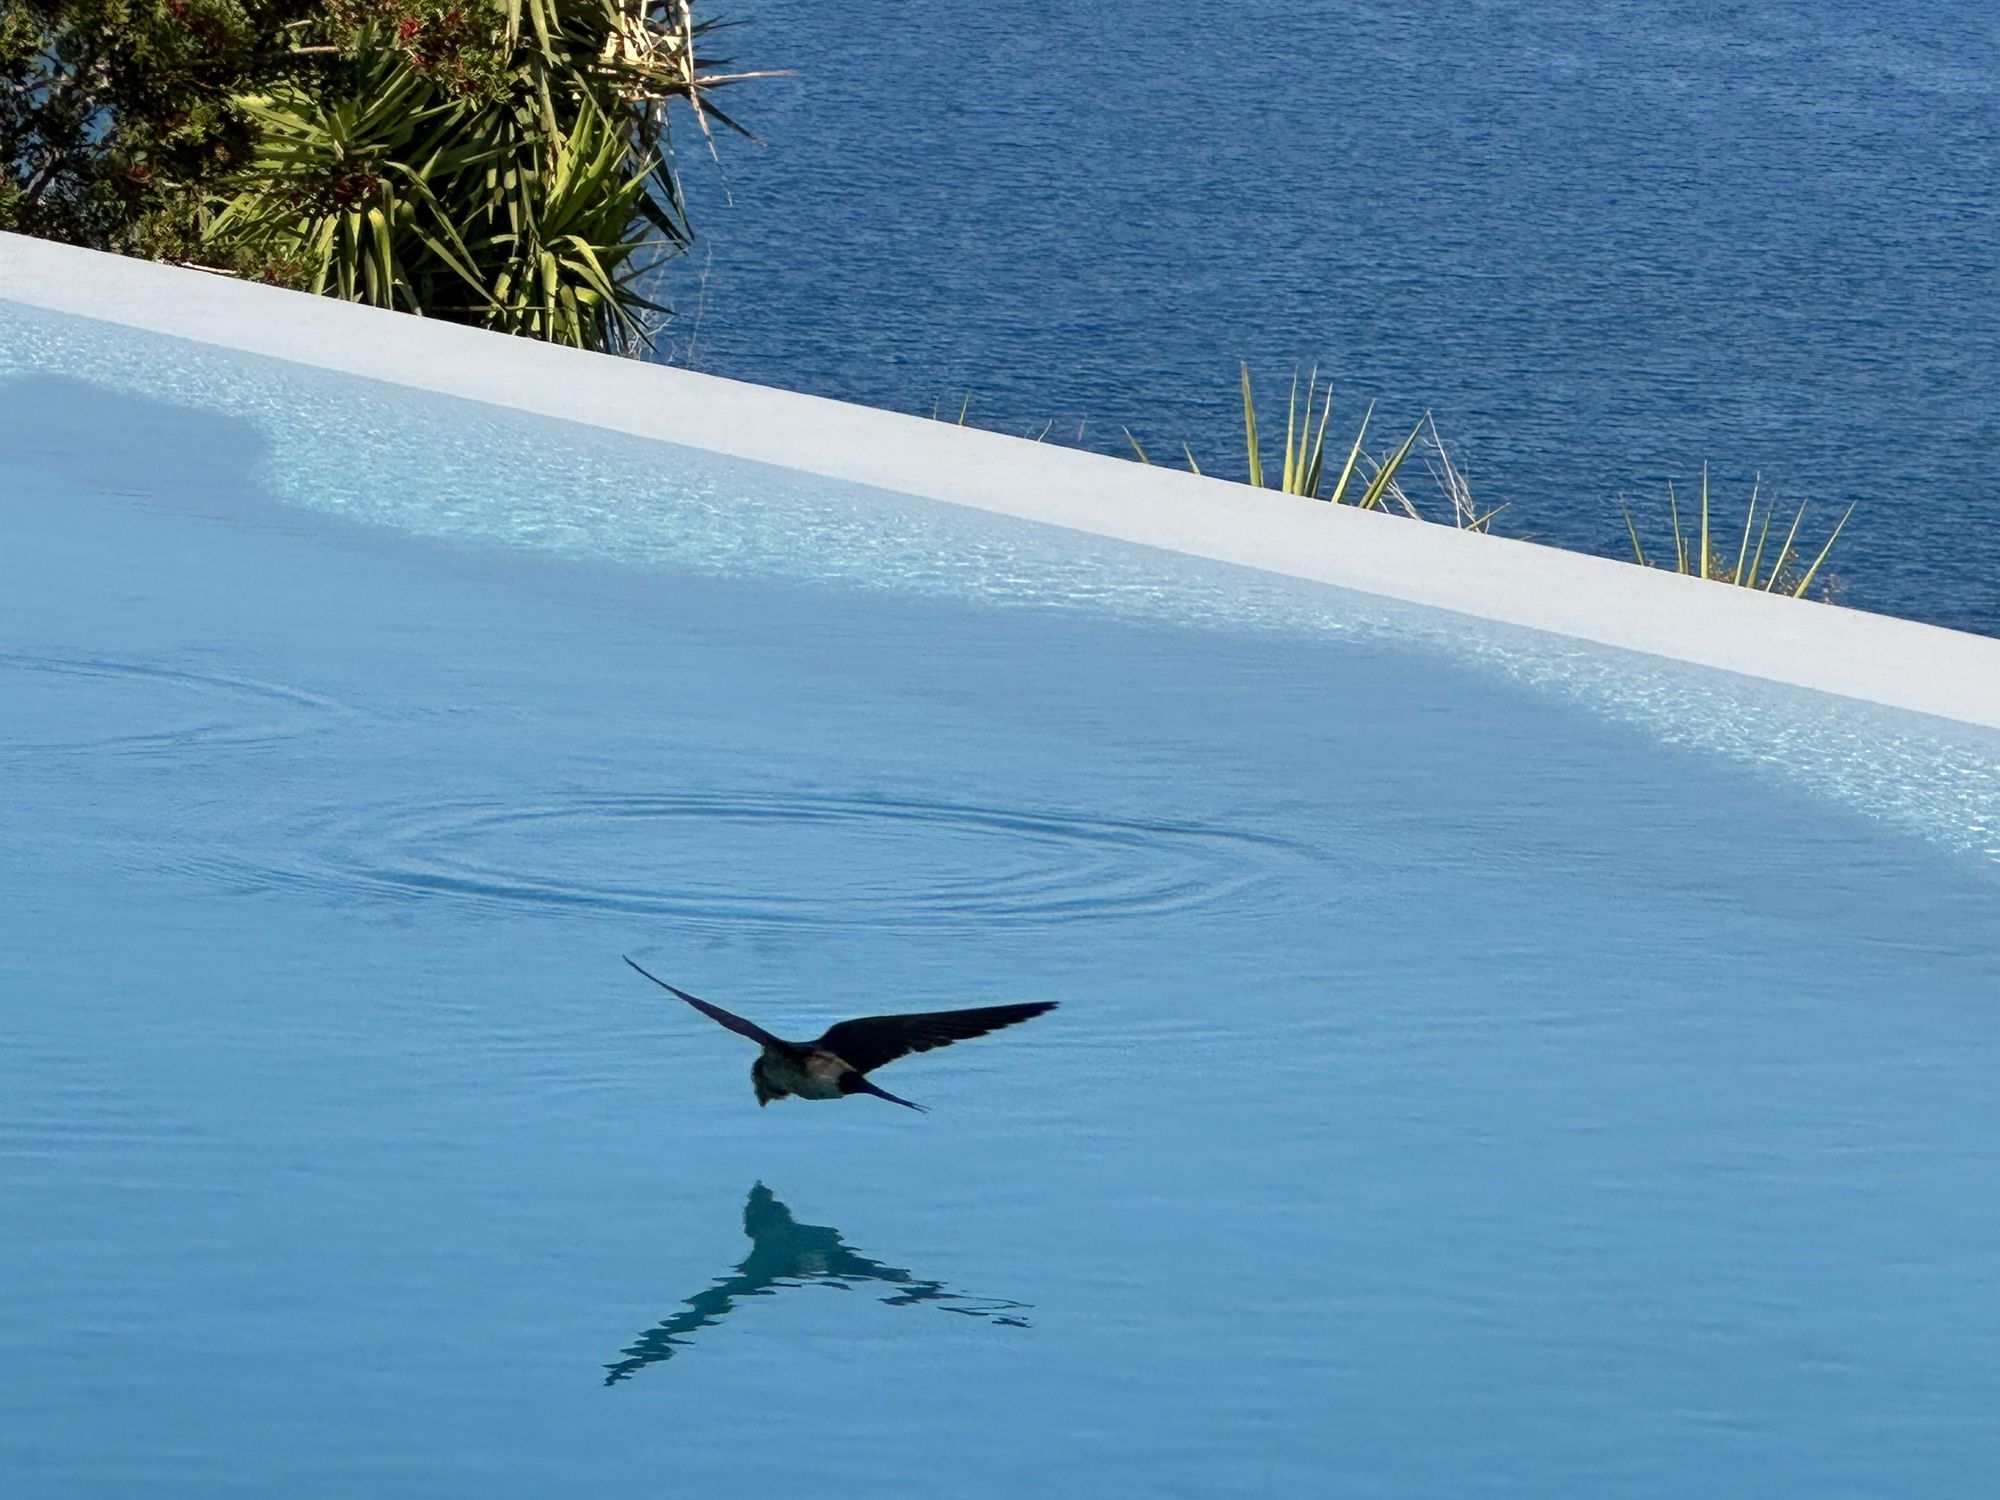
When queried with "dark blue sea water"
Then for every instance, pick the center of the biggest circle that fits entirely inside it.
(1606, 244)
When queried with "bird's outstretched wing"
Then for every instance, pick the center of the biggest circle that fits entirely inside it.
(733, 1021)
(874, 1040)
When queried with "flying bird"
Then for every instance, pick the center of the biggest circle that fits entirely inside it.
(838, 1063)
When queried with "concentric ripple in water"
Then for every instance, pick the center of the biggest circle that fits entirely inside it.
(788, 859)
(128, 707)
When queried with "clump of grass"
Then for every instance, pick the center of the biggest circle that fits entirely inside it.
(964, 407)
(1194, 467)
(1371, 483)
(1451, 481)
(1303, 470)
(963, 419)
(1706, 555)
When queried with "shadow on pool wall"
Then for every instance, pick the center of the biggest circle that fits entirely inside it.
(785, 1254)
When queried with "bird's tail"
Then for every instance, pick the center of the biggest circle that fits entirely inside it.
(855, 1083)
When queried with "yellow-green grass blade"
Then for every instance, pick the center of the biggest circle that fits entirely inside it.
(1313, 471)
(1288, 477)
(1250, 430)
(1743, 547)
(1705, 572)
(1785, 552)
(1800, 591)
(1763, 536)
(1631, 530)
(1372, 496)
(1674, 514)
(1353, 455)
(1135, 445)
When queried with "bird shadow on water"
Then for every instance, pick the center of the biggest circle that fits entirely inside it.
(785, 1253)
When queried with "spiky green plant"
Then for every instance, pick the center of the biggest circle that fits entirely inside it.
(1145, 458)
(1303, 469)
(501, 162)
(1701, 554)
(341, 197)
(1451, 482)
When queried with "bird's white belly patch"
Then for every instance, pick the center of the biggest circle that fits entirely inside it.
(818, 1077)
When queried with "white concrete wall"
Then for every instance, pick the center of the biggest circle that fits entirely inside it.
(1835, 650)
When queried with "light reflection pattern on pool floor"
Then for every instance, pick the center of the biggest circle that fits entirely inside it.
(1456, 1090)
(428, 465)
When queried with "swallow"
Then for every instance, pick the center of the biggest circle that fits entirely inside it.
(839, 1062)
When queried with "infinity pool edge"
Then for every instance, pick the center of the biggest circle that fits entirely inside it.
(1850, 653)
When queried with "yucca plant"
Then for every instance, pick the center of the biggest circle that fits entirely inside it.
(1303, 467)
(1303, 470)
(501, 162)
(341, 199)
(567, 267)
(1705, 554)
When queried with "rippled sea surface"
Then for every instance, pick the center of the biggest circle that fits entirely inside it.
(1605, 244)
(1484, 1066)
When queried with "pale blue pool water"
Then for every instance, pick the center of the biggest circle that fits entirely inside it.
(1486, 1066)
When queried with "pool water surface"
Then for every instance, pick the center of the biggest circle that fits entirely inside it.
(1462, 1083)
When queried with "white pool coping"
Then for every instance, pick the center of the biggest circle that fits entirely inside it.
(1876, 658)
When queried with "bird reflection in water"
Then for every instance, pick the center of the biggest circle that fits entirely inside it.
(786, 1253)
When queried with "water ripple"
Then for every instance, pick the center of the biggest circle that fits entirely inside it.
(137, 708)
(791, 859)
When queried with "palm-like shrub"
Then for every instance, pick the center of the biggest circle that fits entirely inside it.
(504, 163)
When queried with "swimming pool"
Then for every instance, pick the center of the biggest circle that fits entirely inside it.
(1488, 1064)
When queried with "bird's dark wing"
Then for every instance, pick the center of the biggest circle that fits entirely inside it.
(733, 1021)
(874, 1040)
